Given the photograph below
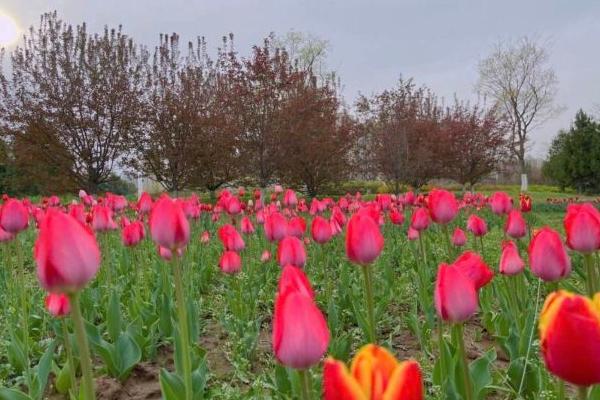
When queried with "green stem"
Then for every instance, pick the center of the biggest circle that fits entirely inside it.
(70, 359)
(465, 365)
(183, 328)
(448, 241)
(560, 389)
(369, 301)
(304, 384)
(422, 246)
(590, 275)
(24, 309)
(535, 315)
(482, 247)
(582, 393)
(83, 348)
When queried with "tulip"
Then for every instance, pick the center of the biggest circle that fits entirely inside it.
(515, 226)
(168, 225)
(247, 227)
(5, 236)
(320, 230)
(300, 333)
(289, 198)
(459, 238)
(133, 234)
(233, 206)
(420, 219)
(511, 262)
(296, 227)
(570, 337)
(265, 256)
(472, 266)
(58, 304)
(144, 204)
(500, 203)
(396, 217)
(548, 257)
(476, 225)
(525, 203)
(67, 258)
(102, 219)
(291, 251)
(14, 216)
(231, 238)
(374, 374)
(230, 262)
(442, 206)
(455, 295)
(412, 234)
(364, 241)
(582, 226)
(66, 253)
(275, 227)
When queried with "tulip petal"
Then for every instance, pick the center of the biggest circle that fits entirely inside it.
(406, 383)
(339, 384)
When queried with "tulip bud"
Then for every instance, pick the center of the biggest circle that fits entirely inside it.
(275, 227)
(515, 226)
(14, 216)
(511, 262)
(396, 217)
(230, 262)
(291, 251)
(500, 203)
(476, 225)
(455, 295)
(247, 227)
(66, 253)
(442, 206)
(459, 238)
(321, 230)
(58, 304)
(582, 225)
(364, 241)
(265, 256)
(412, 234)
(289, 198)
(548, 257)
(420, 219)
(133, 234)
(168, 225)
(231, 238)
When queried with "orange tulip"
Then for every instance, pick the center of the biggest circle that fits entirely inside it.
(570, 337)
(374, 375)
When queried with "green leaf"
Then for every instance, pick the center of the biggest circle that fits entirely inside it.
(480, 371)
(63, 380)
(43, 370)
(113, 317)
(171, 386)
(13, 394)
(126, 355)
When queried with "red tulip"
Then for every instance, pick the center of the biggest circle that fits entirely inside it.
(275, 227)
(231, 238)
(364, 241)
(459, 238)
(300, 333)
(582, 225)
(247, 227)
(525, 203)
(455, 295)
(472, 266)
(14, 216)
(321, 230)
(296, 227)
(144, 204)
(412, 234)
(500, 203)
(515, 226)
(396, 217)
(511, 262)
(294, 279)
(5, 236)
(169, 227)
(230, 262)
(548, 257)
(476, 225)
(291, 251)
(66, 253)
(133, 233)
(58, 304)
(570, 337)
(420, 219)
(442, 206)
(233, 206)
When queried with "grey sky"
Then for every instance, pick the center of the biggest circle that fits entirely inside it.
(373, 42)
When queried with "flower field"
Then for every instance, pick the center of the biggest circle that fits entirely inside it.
(269, 295)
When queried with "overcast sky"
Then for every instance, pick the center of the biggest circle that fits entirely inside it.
(438, 43)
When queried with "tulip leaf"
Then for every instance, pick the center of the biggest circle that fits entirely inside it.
(171, 386)
(13, 394)
(63, 380)
(126, 355)
(113, 317)
(480, 371)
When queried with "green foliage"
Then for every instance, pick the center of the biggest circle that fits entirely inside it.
(574, 156)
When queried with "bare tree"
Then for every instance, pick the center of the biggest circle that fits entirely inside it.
(517, 76)
(74, 97)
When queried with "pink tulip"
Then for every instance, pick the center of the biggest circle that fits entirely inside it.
(265, 256)
(231, 238)
(57, 304)
(169, 227)
(412, 234)
(420, 219)
(133, 234)
(230, 262)
(14, 216)
(296, 227)
(476, 225)
(511, 262)
(582, 225)
(321, 230)
(290, 251)
(364, 241)
(247, 227)
(515, 226)
(548, 257)
(289, 198)
(471, 265)
(455, 295)
(500, 203)
(459, 238)
(442, 206)
(66, 253)
(102, 219)
(275, 227)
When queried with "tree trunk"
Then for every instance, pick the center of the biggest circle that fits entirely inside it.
(524, 181)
